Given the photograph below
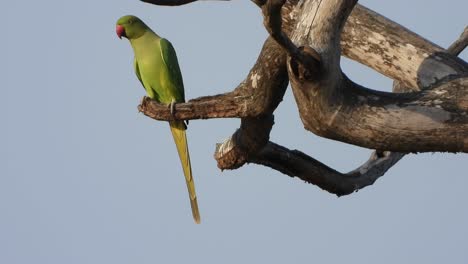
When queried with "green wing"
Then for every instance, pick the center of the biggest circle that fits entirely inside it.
(137, 71)
(170, 60)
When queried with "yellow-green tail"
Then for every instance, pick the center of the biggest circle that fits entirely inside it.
(178, 133)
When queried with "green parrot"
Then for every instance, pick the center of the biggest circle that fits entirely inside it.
(157, 68)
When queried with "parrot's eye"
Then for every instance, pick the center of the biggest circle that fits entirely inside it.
(130, 22)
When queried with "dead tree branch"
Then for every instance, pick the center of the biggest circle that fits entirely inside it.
(455, 49)
(458, 46)
(332, 106)
(216, 106)
(368, 38)
(395, 51)
(297, 164)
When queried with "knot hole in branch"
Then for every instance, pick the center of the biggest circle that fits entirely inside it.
(308, 66)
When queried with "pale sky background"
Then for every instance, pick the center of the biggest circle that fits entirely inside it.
(85, 178)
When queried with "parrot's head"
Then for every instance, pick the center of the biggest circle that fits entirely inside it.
(130, 27)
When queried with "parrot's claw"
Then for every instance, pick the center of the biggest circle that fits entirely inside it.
(172, 107)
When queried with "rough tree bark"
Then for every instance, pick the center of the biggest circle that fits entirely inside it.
(427, 112)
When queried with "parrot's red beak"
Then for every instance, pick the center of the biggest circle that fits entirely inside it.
(120, 31)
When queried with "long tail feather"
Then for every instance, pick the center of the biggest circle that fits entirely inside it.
(178, 133)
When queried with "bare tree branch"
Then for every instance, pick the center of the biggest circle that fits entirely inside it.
(368, 38)
(245, 143)
(458, 46)
(255, 99)
(395, 51)
(217, 106)
(334, 107)
(297, 164)
(268, 80)
(455, 49)
(273, 23)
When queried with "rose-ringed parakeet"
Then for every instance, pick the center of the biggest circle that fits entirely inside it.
(157, 68)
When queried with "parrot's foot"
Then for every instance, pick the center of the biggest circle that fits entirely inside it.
(172, 106)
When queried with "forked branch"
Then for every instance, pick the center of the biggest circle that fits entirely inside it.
(334, 107)
(330, 105)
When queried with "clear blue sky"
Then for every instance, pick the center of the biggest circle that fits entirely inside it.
(85, 178)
